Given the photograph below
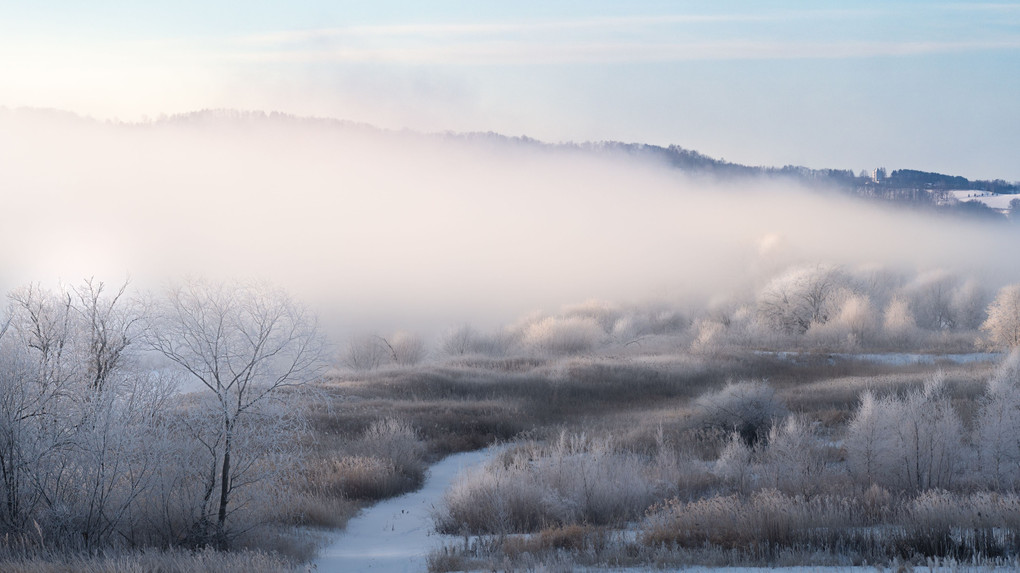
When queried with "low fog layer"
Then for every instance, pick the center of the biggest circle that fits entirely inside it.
(383, 230)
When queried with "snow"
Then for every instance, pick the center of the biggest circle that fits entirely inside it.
(954, 568)
(991, 199)
(905, 358)
(394, 536)
(892, 358)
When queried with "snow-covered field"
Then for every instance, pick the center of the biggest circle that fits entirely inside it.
(396, 534)
(813, 569)
(893, 358)
(991, 199)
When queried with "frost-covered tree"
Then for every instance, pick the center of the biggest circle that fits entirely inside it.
(803, 296)
(244, 344)
(997, 433)
(968, 304)
(407, 348)
(792, 460)
(898, 322)
(1003, 324)
(366, 352)
(931, 299)
(77, 415)
(913, 443)
(867, 441)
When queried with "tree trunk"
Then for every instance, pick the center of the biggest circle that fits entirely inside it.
(221, 519)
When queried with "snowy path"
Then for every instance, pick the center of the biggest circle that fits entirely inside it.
(396, 534)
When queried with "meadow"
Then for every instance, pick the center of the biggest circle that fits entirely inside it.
(834, 417)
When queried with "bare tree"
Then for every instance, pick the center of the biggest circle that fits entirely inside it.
(366, 352)
(109, 329)
(407, 348)
(74, 414)
(244, 344)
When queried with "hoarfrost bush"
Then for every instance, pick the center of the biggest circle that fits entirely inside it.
(800, 297)
(793, 461)
(734, 463)
(603, 313)
(407, 348)
(1003, 324)
(997, 434)
(855, 324)
(466, 340)
(708, 337)
(571, 335)
(898, 322)
(365, 352)
(912, 443)
(578, 479)
(394, 440)
(749, 408)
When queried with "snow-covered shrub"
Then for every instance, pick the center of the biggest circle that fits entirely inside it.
(708, 336)
(467, 341)
(365, 352)
(898, 323)
(577, 479)
(800, 297)
(912, 443)
(407, 348)
(793, 461)
(1003, 324)
(604, 314)
(396, 441)
(853, 326)
(571, 335)
(997, 434)
(734, 463)
(749, 408)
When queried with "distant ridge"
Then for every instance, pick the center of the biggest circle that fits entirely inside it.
(923, 189)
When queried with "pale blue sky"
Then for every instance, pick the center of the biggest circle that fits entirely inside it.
(925, 85)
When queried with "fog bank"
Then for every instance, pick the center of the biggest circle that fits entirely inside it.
(387, 229)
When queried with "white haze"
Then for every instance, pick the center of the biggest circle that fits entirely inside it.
(383, 230)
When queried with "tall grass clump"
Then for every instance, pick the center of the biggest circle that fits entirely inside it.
(576, 479)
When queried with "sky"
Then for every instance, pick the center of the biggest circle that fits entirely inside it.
(920, 85)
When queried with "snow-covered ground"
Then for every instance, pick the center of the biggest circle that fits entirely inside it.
(991, 199)
(892, 358)
(961, 568)
(904, 358)
(396, 534)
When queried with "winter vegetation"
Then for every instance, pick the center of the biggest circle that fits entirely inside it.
(209, 422)
(797, 391)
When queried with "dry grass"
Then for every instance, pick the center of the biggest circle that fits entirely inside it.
(154, 561)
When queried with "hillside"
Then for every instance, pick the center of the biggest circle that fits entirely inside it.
(930, 190)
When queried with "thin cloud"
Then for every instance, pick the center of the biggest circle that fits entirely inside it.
(482, 28)
(621, 39)
(539, 53)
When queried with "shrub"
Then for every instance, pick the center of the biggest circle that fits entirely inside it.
(748, 408)
(578, 479)
(912, 443)
(365, 352)
(571, 335)
(793, 461)
(466, 341)
(1003, 324)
